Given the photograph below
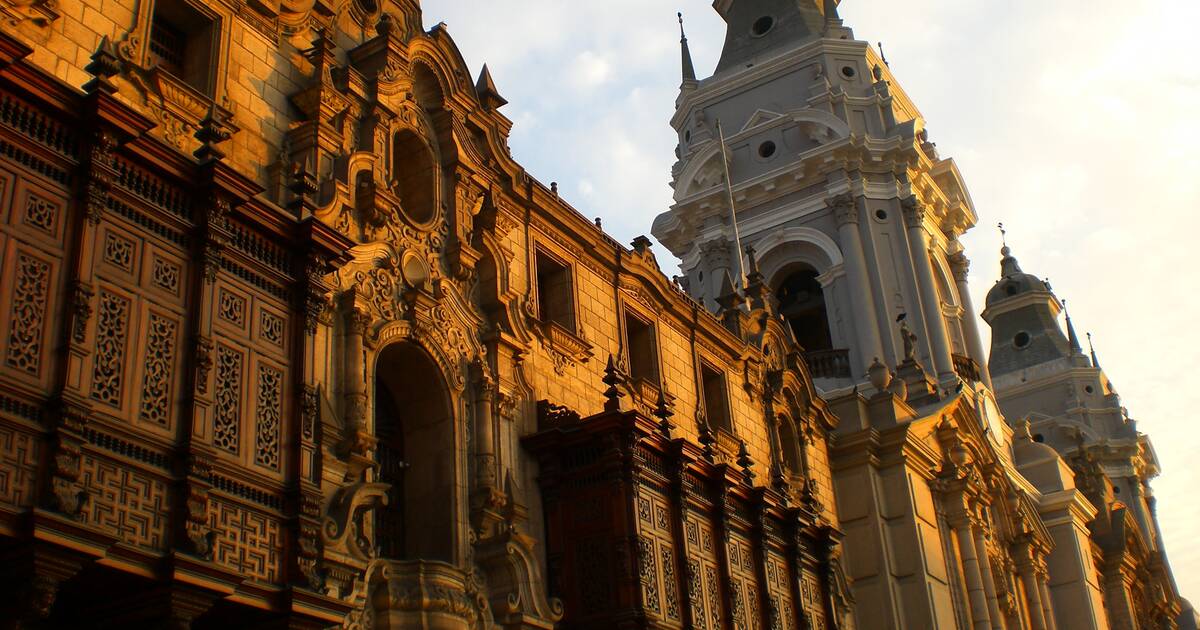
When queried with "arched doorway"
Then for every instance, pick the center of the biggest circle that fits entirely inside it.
(414, 424)
(802, 303)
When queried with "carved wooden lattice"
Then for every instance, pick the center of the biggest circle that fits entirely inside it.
(247, 541)
(112, 329)
(271, 327)
(744, 583)
(227, 419)
(779, 588)
(18, 467)
(231, 307)
(656, 554)
(28, 314)
(811, 595)
(159, 366)
(41, 215)
(125, 502)
(703, 588)
(165, 275)
(269, 412)
(118, 251)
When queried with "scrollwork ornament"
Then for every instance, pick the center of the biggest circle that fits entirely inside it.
(844, 209)
(310, 405)
(203, 362)
(211, 260)
(81, 306)
(914, 212)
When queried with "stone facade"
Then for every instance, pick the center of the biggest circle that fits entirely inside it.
(291, 340)
(953, 514)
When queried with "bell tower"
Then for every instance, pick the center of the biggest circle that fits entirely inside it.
(834, 183)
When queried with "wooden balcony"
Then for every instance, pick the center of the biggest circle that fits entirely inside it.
(829, 363)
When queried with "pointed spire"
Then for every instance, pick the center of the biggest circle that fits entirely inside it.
(1072, 338)
(1092, 348)
(486, 88)
(831, 10)
(745, 463)
(662, 411)
(612, 378)
(1008, 264)
(689, 70)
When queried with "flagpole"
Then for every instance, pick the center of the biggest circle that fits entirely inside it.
(737, 236)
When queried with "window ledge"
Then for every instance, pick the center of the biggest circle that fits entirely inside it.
(183, 107)
(566, 348)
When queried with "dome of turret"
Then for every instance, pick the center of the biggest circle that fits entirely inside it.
(1013, 281)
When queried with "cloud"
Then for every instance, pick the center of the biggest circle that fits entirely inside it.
(589, 70)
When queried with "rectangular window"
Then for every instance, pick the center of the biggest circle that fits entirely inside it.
(716, 398)
(556, 300)
(182, 43)
(642, 347)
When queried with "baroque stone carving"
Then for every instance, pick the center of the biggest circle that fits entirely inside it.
(81, 307)
(344, 526)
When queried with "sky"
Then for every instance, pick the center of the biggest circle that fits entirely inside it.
(1075, 122)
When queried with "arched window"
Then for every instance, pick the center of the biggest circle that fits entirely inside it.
(414, 424)
(802, 303)
(413, 174)
(790, 446)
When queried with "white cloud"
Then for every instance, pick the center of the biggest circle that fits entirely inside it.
(589, 70)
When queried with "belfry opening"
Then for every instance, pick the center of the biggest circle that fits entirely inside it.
(802, 303)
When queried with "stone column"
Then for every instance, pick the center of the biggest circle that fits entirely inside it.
(862, 304)
(989, 581)
(914, 220)
(354, 387)
(485, 452)
(980, 619)
(1033, 593)
(960, 265)
(1047, 603)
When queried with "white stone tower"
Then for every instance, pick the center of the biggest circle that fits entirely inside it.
(854, 217)
(1044, 377)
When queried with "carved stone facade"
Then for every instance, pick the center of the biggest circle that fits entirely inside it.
(290, 356)
(290, 340)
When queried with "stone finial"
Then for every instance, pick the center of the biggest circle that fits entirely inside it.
(707, 440)
(613, 378)
(485, 87)
(745, 463)
(104, 65)
(641, 244)
(879, 375)
(210, 132)
(663, 412)
(1092, 349)
(689, 69)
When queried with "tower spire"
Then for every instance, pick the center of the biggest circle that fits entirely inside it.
(689, 70)
(1072, 338)
(1092, 348)
(1008, 263)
